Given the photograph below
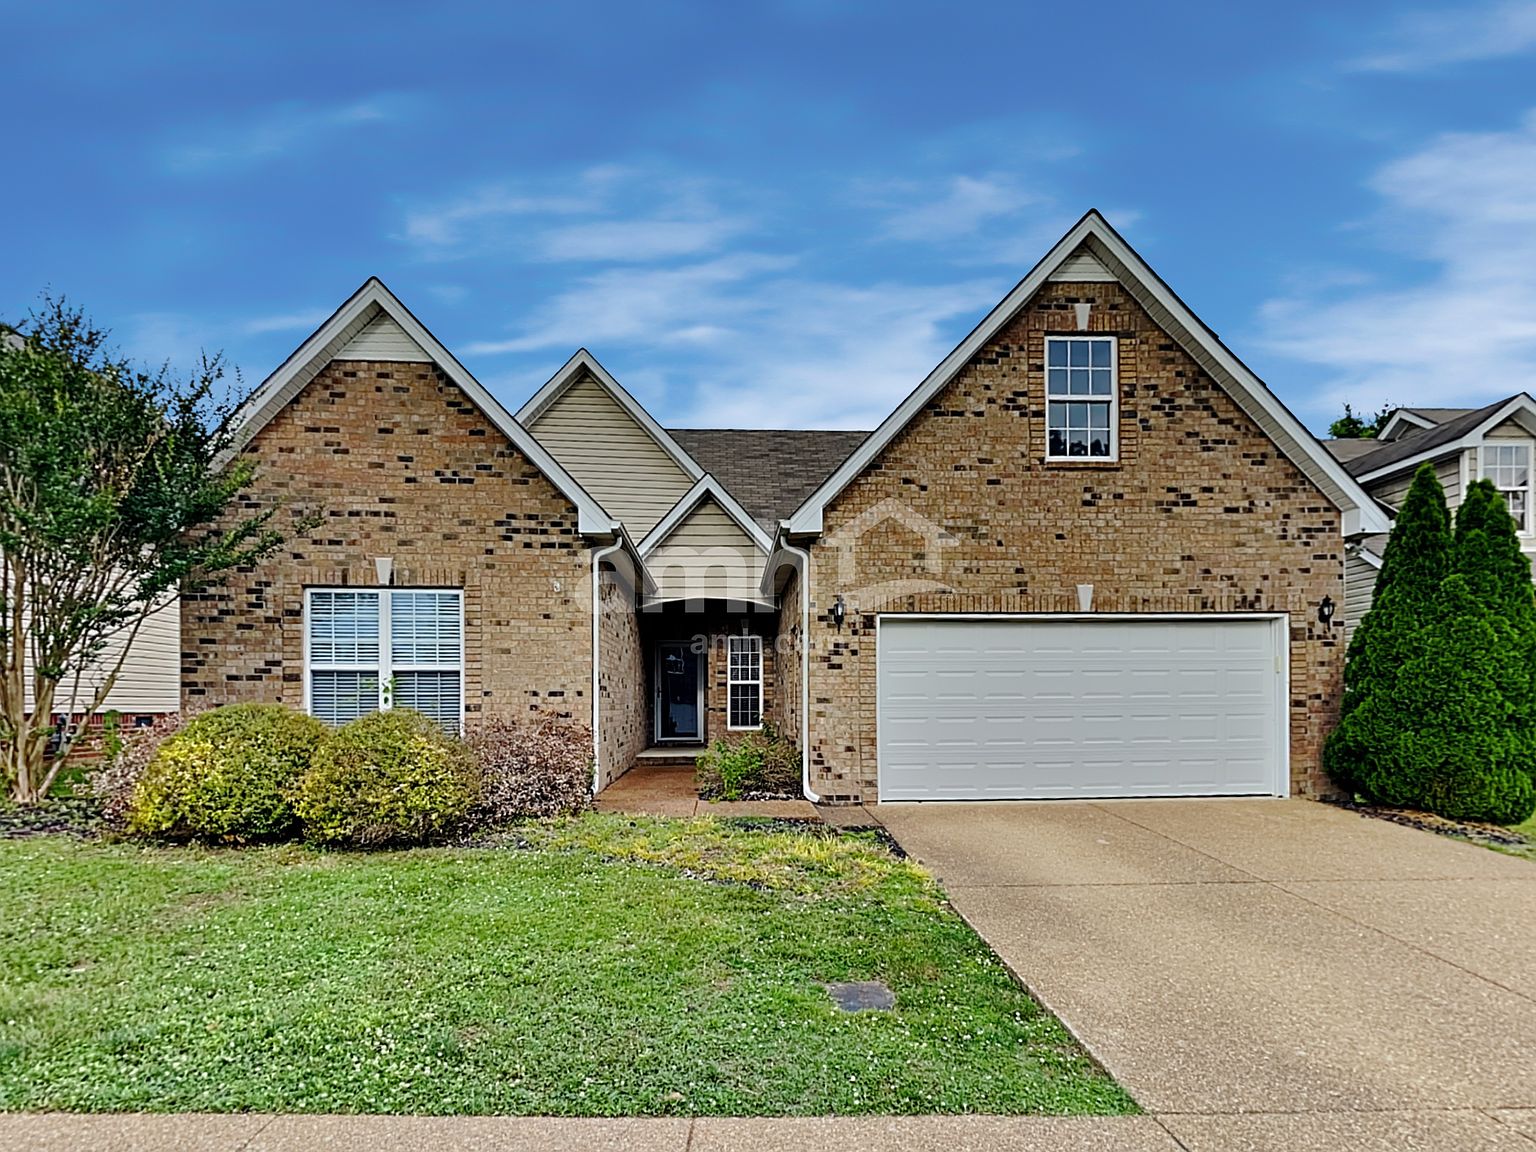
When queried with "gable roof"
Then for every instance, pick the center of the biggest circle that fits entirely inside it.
(1452, 435)
(362, 309)
(1348, 448)
(769, 470)
(705, 488)
(1361, 513)
(578, 368)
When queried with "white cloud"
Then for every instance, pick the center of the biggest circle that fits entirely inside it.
(965, 205)
(1425, 40)
(285, 322)
(279, 130)
(1466, 333)
(635, 240)
(446, 225)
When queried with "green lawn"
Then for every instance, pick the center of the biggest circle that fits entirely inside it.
(607, 966)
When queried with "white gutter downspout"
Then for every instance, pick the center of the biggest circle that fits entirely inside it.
(805, 670)
(598, 556)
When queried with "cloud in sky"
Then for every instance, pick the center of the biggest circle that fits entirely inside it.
(1466, 332)
(306, 321)
(1429, 39)
(242, 143)
(965, 204)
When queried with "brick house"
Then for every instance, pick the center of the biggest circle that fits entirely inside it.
(1090, 555)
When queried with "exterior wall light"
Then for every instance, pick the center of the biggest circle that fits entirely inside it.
(1325, 610)
(839, 612)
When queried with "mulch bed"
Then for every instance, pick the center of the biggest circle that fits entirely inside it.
(1490, 834)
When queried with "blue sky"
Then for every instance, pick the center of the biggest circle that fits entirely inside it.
(781, 214)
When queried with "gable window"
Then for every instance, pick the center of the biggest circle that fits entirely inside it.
(744, 682)
(1080, 398)
(372, 649)
(1509, 467)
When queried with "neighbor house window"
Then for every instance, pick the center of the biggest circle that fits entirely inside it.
(1080, 397)
(1509, 467)
(744, 682)
(375, 649)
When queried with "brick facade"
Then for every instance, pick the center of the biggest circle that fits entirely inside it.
(1201, 513)
(400, 463)
(626, 730)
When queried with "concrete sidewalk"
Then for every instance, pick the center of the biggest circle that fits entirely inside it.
(1464, 1131)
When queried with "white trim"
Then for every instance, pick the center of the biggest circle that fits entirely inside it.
(705, 486)
(598, 556)
(584, 363)
(384, 669)
(731, 682)
(1299, 445)
(1471, 439)
(805, 671)
(1385, 433)
(359, 310)
(1280, 631)
(1113, 400)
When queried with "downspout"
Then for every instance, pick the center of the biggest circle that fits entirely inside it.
(598, 556)
(805, 670)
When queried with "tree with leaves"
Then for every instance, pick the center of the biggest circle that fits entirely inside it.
(117, 493)
(1416, 560)
(1352, 427)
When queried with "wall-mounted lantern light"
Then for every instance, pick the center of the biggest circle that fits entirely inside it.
(839, 612)
(1325, 610)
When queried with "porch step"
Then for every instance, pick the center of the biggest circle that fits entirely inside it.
(665, 756)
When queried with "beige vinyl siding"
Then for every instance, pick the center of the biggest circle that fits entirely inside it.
(1509, 430)
(1359, 588)
(383, 339)
(611, 456)
(1082, 267)
(150, 680)
(1391, 490)
(707, 555)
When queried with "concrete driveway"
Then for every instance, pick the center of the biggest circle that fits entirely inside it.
(1263, 973)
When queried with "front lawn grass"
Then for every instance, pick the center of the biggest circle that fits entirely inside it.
(603, 966)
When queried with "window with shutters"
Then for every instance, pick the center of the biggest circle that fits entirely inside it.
(372, 649)
(744, 682)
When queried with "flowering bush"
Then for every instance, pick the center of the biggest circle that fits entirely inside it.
(527, 769)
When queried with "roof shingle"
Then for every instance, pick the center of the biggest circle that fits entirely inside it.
(769, 471)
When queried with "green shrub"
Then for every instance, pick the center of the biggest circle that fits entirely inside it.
(228, 775)
(389, 778)
(1417, 558)
(1447, 744)
(748, 765)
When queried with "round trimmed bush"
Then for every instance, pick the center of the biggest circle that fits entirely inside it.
(229, 776)
(388, 778)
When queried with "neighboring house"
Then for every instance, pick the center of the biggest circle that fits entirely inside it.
(1495, 442)
(1090, 555)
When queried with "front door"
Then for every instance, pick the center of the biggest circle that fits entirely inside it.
(679, 695)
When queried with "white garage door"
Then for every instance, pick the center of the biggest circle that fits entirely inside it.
(1010, 708)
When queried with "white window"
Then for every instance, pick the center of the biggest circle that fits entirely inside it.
(374, 649)
(744, 682)
(1080, 398)
(1509, 467)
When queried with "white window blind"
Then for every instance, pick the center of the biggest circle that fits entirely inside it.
(377, 649)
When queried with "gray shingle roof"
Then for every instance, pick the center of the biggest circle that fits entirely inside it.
(768, 471)
(1348, 449)
(1439, 415)
(1425, 441)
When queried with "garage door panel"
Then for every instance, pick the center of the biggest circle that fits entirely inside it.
(1022, 708)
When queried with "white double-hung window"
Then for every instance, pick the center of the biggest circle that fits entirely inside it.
(1080, 398)
(744, 682)
(372, 649)
(1509, 467)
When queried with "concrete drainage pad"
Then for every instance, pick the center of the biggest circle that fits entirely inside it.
(862, 996)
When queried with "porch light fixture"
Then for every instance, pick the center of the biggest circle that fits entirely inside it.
(839, 612)
(1325, 610)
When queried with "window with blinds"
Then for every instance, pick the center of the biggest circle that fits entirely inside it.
(372, 649)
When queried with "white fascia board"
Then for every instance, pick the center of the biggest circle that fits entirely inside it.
(1360, 511)
(1521, 405)
(583, 362)
(776, 552)
(1401, 416)
(311, 357)
(706, 486)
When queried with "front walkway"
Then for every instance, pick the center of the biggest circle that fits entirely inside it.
(668, 790)
(1275, 971)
